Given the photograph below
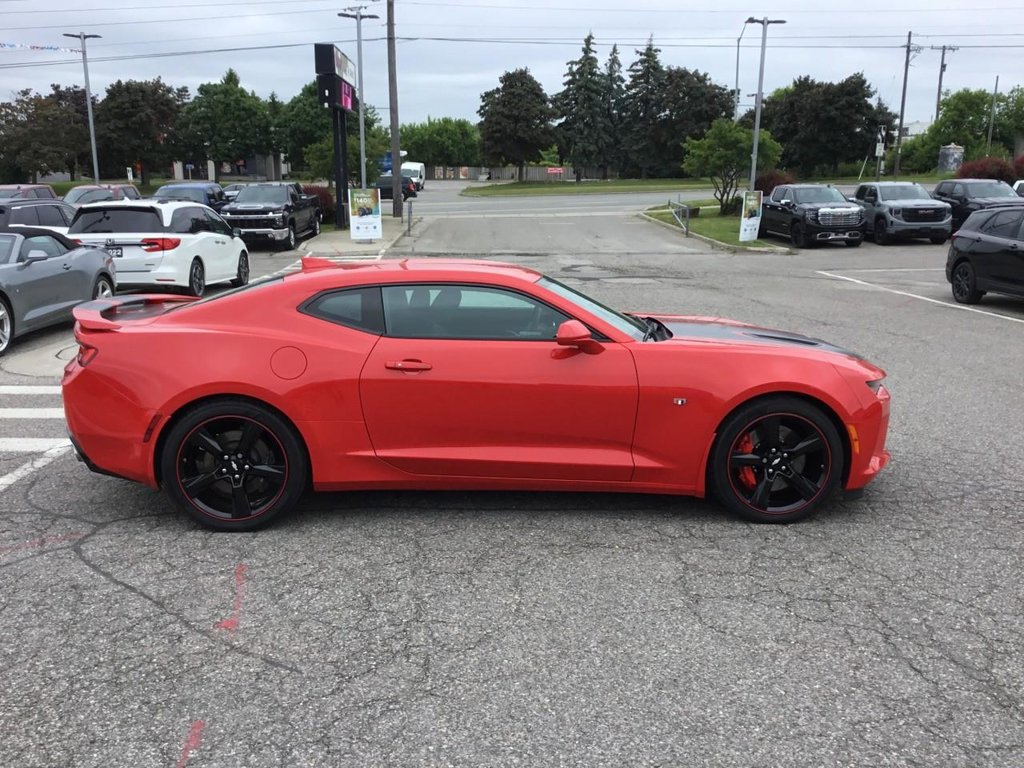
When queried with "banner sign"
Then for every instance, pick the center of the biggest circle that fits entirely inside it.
(750, 216)
(329, 60)
(41, 47)
(364, 214)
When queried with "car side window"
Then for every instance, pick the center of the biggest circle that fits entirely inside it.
(43, 243)
(467, 312)
(217, 224)
(871, 194)
(181, 221)
(26, 215)
(779, 194)
(51, 216)
(958, 190)
(1004, 224)
(197, 221)
(43, 194)
(358, 308)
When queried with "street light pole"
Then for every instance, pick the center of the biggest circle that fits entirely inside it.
(82, 37)
(942, 70)
(396, 156)
(358, 15)
(760, 92)
(736, 115)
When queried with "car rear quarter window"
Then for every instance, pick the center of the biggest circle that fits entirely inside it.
(6, 246)
(104, 220)
(1004, 224)
(358, 308)
(25, 215)
(51, 216)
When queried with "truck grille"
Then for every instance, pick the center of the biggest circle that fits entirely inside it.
(248, 222)
(839, 218)
(924, 214)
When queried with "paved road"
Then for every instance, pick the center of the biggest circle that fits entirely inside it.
(469, 629)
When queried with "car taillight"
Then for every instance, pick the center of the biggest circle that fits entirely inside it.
(86, 353)
(160, 244)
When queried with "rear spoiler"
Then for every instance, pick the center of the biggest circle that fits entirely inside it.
(96, 315)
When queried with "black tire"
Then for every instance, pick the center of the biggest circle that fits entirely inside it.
(103, 288)
(292, 241)
(853, 243)
(6, 326)
(196, 279)
(263, 476)
(938, 240)
(797, 236)
(881, 235)
(242, 277)
(315, 229)
(965, 285)
(762, 231)
(776, 460)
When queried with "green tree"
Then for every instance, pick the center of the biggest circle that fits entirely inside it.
(692, 102)
(515, 121)
(585, 122)
(645, 108)
(73, 97)
(304, 121)
(319, 155)
(230, 122)
(724, 155)
(615, 111)
(37, 135)
(442, 141)
(134, 124)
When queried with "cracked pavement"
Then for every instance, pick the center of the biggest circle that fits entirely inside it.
(516, 629)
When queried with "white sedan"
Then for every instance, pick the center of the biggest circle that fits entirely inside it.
(154, 243)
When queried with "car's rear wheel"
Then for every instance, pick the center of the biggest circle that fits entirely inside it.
(776, 460)
(103, 289)
(6, 325)
(233, 465)
(965, 285)
(243, 270)
(196, 278)
(881, 235)
(853, 243)
(797, 236)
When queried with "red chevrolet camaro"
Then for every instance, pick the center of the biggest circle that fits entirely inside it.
(453, 374)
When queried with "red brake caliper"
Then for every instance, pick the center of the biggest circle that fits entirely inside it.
(746, 474)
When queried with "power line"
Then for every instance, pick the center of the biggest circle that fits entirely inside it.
(631, 10)
(222, 6)
(92, 24)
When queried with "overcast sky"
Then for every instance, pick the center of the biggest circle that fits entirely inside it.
(451, 51)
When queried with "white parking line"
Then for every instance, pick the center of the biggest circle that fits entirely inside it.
(948, 304)
(28, 389)
(900, 269)
(31, 444)
(26, 469)
(31, 413)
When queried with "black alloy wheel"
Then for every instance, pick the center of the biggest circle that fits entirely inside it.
(881, 236)
(292, 240)
(965, 285)
(776, 460)
(797, 236)
(316, 226)
(243, 270)
(233, 465)
(196, 278)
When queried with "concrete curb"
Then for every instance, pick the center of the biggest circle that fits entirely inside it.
(709, 190)
(717, 244)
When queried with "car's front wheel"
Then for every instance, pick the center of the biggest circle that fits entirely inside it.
(853, 243)
(776, 460)
(242, 275)
(292, 239)
(797, 236)
(233, 465)
(965, 284)
(196, 278)
(881, 234)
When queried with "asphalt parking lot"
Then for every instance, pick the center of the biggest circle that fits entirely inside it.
(513, 629)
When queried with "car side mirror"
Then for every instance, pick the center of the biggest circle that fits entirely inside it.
(787, 202)
(573, 333)
(236, 232)
(36, 255)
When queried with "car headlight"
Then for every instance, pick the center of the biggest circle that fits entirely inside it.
(896, 213)
(812, 215)
(279, 217)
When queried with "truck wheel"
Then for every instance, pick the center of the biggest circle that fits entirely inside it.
(290, 243)
(316, 226)
(881, 235)
(853, 243)
(798, 237)
(937, 240)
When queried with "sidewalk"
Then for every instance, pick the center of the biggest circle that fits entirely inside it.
(340, 242)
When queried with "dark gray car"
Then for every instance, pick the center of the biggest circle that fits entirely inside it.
(43, 276)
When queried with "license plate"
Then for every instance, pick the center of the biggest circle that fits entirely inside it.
(115, 252)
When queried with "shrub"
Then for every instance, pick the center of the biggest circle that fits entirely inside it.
(1018, 166)
(769, 180)
(732, 207)
(326, 197)
(987, 168)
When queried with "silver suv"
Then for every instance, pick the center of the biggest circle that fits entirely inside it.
(903, 210)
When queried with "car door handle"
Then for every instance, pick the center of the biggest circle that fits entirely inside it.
(66, 267)
(408, 365)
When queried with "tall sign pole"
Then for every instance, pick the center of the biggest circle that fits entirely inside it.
(334, 78)
(396, 156)
(356, 12)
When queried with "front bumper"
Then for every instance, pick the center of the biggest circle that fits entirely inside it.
(264, 234)
(901, 228)
(816, 231)
(866, 435)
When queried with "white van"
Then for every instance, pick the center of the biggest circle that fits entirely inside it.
(418, 172)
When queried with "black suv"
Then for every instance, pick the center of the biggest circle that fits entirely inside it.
(987, 254)
(812, 213)
(965, 196)
(27, 212)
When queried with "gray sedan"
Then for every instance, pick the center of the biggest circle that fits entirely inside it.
(43, 275)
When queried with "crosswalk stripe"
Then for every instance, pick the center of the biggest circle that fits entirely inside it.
(26, 469)
(28, 389)
(31, 413)
(31, 444)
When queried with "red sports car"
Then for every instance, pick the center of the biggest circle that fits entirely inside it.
(453, 374)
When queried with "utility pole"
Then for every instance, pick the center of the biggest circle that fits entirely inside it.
(736, 115)
(992, 116)
(942, 69)
(82, 37)
(358, 15)
(396, 157)
(760, 92)
(911, 48)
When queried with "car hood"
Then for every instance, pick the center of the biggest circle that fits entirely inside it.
(915, 202)
(834, 205)
(722, 331)
(995, 200)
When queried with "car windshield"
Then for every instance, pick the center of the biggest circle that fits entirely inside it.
(817, 195)
(991, 189)
(6, 243)
(630, 325)
(97, 220)
(904, 192)
(182, 193)
(262, 195)
(9, 194)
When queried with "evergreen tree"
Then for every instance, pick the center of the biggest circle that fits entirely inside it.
(645, 109)
(615, 110)
(515, 121)
(581, 107)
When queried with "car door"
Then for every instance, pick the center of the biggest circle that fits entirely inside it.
(39, 284)
(469, 381)
(225, 248)
(997, 254)
(773, 210)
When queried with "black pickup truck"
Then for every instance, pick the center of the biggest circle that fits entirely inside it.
(278, 212)
(812, 213)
